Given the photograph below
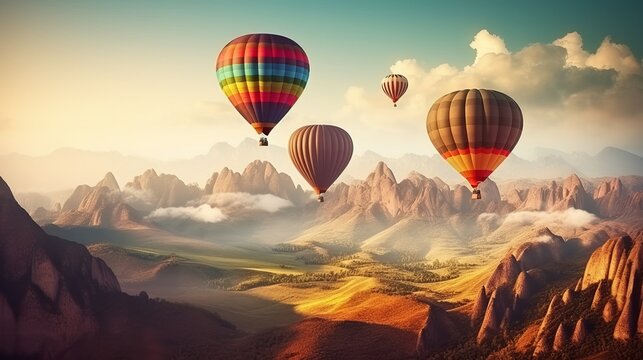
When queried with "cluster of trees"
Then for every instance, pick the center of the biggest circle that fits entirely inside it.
(271, 279)
(290, 248)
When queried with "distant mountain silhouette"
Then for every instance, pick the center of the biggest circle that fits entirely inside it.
(62, 170)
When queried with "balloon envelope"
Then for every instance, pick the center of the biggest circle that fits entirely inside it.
(474, 130)
(394, 86)
(320, 153)
(262, 75)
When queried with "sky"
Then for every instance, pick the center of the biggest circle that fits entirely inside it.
(138, 77)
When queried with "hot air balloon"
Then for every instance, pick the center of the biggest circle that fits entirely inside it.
(320, 153)
(262, 75)
(474, 130)
(394, 86)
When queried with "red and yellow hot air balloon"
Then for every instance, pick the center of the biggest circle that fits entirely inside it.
(394, 86)
(320, 154)
(474, 130)
(262, 75)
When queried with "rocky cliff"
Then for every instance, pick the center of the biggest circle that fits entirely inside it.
(47, 285)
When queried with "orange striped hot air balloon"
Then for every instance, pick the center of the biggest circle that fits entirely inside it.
(394, 86)
(474, 130)
(320, 153)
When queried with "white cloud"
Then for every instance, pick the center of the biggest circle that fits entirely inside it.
(563, 90)
(486, 43)
(203, 213)
(234, 202)
(570, 218)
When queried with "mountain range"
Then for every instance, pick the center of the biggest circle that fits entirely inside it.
(25, 171)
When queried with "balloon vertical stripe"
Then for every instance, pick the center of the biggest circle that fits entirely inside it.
(394, 86)
(320, 153)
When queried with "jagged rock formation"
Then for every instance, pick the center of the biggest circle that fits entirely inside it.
(415, 196)
(544, 340)
(611, 198)
(438, 331)
(614, 199)
(615, 270)
(100, 206)
(558, 197)
(497, 314)
(46, 285)
(259, 177)
(158, 191)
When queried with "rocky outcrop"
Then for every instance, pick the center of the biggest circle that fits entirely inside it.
(600, 295)
(479, 306)
(604, 263)
(46, 285)
(553, 196)
(259, 177)
(414, 196)
(525, 286)
(568, 296)
(506, 273)
(580, 331)
(76, 197)
(614, 199)
(109, 181)
(438, 331)
(58, 301)
(549, 248)
(628, 322)
(151, 191)
(610, 311)
(100, 206)
(498, 312)
(561, 338)
(544, 338)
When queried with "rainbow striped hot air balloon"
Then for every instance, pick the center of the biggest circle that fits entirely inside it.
(474, 130)
(262, 75)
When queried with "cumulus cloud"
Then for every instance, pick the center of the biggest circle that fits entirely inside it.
(203, 213)
(570, 218)
(486, 43)
(563, 89)
(235, 202)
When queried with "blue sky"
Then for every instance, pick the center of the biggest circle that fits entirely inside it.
(142, 65)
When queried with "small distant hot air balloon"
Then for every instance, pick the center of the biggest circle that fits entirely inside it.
(262, 75)
(394, 86)
(320, 153)
(474, 130)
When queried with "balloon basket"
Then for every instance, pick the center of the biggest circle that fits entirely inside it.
(475, 195)
(320, 198)
(263, 141)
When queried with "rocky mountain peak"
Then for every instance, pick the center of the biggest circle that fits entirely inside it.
(382, 173)
(109, 181)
